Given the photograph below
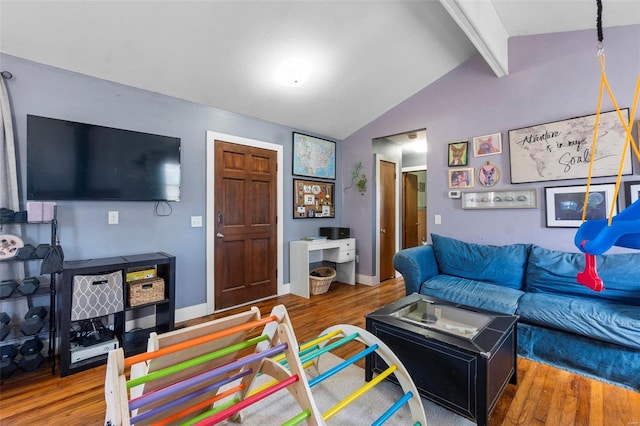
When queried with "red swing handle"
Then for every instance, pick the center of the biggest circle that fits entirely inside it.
(589, 277)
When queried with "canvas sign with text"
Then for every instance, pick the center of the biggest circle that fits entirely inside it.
(562, 149)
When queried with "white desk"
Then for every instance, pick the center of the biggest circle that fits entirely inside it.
(301, 253)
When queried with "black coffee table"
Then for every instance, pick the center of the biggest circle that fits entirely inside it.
(459, 357)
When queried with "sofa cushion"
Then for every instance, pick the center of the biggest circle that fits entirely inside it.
(599, 319)
(500, 265)
(472, 293)
(555, 272)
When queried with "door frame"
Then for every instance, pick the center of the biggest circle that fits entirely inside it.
(413, 169)
(211, 209)
(376, 231)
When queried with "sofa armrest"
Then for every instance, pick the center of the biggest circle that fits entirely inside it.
(416, 264)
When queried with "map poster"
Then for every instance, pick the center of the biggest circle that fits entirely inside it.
(562, 149)
(314, 157)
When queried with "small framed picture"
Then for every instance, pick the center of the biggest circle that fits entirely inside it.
(632, 189)
(461, 178)
(487, 145)
(565, 204)
(488, 174)
(458, 152)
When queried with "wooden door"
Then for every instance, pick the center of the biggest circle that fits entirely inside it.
(409, 210)
(387, 219)
(245, 224)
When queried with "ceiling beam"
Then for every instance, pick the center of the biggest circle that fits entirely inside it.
(480, 22)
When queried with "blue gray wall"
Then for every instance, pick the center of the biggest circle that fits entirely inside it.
(551, 77)
(84, 232)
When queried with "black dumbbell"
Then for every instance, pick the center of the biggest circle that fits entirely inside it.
(7, 287)
(31, 346)
(7, 364)
(31, 355)
(33, 321)
(29, 285)
(31, 362)
(5, 328)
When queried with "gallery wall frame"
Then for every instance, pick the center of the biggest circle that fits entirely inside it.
(632, 191)
(564, 204)
(503, 199)
(313, 199)
(313, 157)
(458, 154)
(488, 174)
(461, 177)
(487, 145)
(561, 150)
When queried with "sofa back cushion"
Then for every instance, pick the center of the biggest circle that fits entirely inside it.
(500, 265)
(551, 271)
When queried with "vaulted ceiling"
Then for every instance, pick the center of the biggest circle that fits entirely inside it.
(364, 57)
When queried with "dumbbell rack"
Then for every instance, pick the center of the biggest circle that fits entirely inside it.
(16, 336)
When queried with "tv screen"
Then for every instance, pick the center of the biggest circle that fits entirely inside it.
(77, 161)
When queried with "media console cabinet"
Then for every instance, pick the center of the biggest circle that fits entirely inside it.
(129, 325)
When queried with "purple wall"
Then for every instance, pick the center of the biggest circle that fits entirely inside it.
(551, 77)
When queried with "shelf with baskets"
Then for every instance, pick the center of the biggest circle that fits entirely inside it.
(111, 302)
(27, 294)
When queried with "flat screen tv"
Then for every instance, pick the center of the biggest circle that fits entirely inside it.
(77, 161)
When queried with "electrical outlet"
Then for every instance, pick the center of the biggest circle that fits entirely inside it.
(196, 221)
(113, 218)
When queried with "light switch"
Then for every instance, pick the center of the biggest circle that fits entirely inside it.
(196, 221)
(438, 219)
(113, 218)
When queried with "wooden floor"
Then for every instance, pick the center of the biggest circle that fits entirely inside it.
(543, 396)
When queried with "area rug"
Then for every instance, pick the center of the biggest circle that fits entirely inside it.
(280, 407)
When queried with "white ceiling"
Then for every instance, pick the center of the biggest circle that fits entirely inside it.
(366, 56)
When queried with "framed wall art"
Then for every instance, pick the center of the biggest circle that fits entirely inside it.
(313, 199)
(632, 191)
(565, 204)
(505, 199)
(488, 174)
(562, 149)
(458, 153)
(314, 157)
(461, 178)
(487, 145)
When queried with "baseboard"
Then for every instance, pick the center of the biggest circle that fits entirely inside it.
(200, 310)
(191, 312)
(366, 280)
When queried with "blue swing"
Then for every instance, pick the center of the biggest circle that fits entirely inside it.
(596, 236)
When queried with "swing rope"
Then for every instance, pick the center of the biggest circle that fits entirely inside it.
(586, 235)
(627, 124)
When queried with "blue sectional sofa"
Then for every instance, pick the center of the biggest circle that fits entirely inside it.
(561, 322)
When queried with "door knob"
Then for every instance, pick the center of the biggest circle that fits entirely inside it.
(383, 231)
(219, 235)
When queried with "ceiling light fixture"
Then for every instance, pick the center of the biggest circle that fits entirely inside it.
(293, 72)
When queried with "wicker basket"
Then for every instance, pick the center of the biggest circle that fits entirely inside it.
(146, 291)
(321, 279)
